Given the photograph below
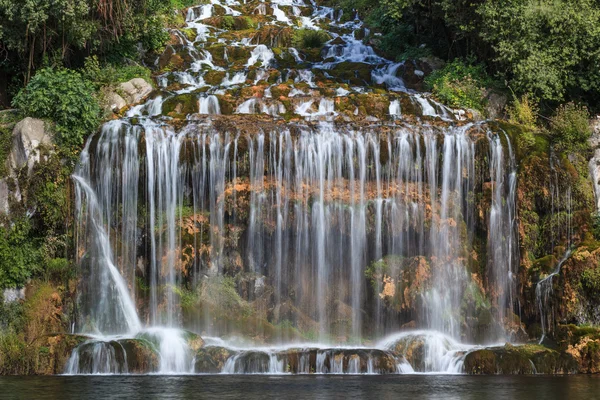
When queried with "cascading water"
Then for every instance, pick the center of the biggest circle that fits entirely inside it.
(346, 231)
(545, 287)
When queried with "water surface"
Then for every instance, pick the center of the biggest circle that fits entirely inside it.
(301, 387)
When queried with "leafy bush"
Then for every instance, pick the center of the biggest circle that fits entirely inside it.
(19, 254)
(11, 316)
(66, 98)
(523, 111)
(309, 39)
(570, 126)
(110, 74)
(459, 85)
(59, 269)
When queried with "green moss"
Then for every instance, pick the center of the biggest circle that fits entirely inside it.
(545, 265)
(181, 105)
(189, 33)
(354, 73)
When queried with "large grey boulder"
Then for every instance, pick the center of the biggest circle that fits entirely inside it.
(28, 135)
(135, 90)
(113, 103)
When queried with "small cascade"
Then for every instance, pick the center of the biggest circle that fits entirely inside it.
(308, 360)
(428, 351)
(263, 54)
(174, 352)
(98, 357)
(209, 105)
(545, 287)
(395, 111)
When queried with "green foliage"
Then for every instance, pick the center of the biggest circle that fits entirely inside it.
(309, 39)
(110, 75)
(11, 316)
(59, 269)
(569, 127)
(19, 254)
(5, 146)
(16, 358)
(459, 85)
(548, 47)
(66, 98)
(523, 111)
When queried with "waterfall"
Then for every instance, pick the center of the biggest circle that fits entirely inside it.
(350, 202)
(290, 213)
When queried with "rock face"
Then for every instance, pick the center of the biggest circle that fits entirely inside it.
(124, 95)
(28, 136)
(135, 90)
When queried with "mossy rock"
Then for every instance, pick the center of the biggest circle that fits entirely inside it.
(142, 356)
(518, 360)
(214, 77)
(238, 55)
(354, 73)
(217, 51)
(211, 359)
(189, 33)
(181, 105)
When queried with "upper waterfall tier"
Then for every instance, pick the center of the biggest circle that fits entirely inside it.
(286, 59)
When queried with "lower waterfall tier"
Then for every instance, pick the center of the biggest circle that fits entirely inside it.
(165, 350)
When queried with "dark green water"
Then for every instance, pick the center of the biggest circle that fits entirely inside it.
(301, 387)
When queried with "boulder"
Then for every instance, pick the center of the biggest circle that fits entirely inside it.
(135, 90)
(28, 135)
(495, 104)
(113, 102)
(519, 360)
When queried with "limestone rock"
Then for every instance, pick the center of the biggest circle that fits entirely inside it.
(495, 105)
(113, 103)
(28, 135)
(135, 90)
